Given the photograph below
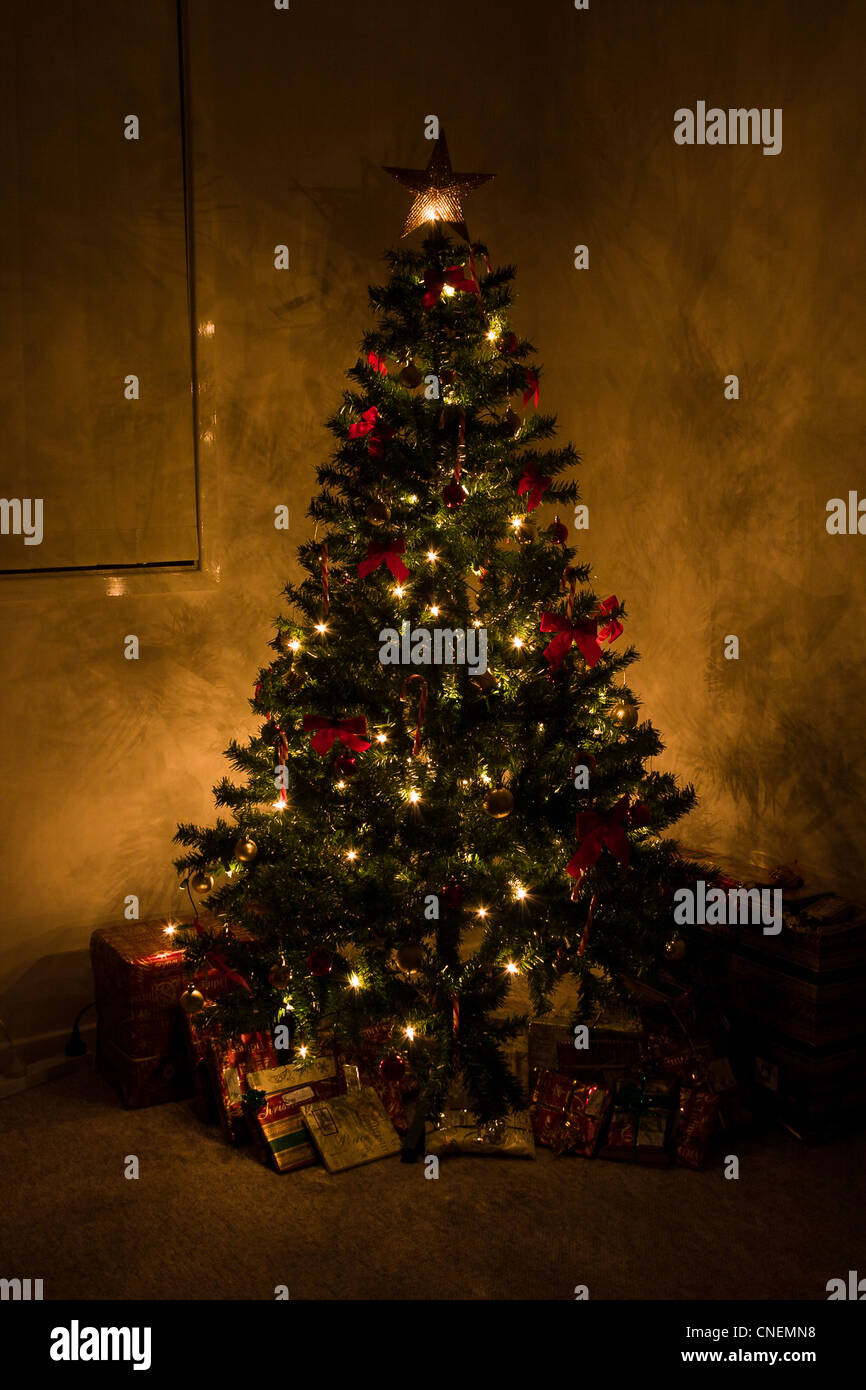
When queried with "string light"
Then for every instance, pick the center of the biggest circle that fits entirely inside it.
(278, 806)
(381, 738)
(410, 1033)
(519, 892)
(413, 497)
(170, 929)
(321, 627)
(355, 981)
(492, 335)
(294, 645)
(481, 912)
(341, 786)
(512, 968)
(434, 610)
(476, 622)
(351, 854)
(398, 591)
(517, 642)
(302, 1051)
(414, 796)
(432, 556)
(517, 522)
(447, 289)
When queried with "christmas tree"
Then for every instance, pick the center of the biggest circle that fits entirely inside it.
(450, 784)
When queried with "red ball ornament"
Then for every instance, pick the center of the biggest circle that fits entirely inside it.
(453, 894)
(392, 1068)
(454, 496)
(562, 961)
(558, 532)
(319, 963)
(345, 765)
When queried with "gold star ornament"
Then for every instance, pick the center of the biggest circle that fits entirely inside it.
(437, 190)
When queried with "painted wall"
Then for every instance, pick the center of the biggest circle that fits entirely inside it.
(708, 515)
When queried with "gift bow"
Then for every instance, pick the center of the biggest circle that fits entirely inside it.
(390, 552)
(584, 634)
(533, 483)
(348, 731)
(219, 964)
(371, 425)
(436, 280)
(377, 363)
(598, 830)
(531, 392)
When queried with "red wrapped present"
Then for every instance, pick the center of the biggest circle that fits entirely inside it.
(550, 1096)
(138, 979)
(585, 1116)
(698, 1114)
(391, 1081)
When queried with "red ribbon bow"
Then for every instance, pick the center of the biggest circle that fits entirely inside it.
(390, 552)
(598, 830)
(583, 634)
(531, 392)
(376, 362)
(377, 433)
(436, 280)
(216, 960)
(533, 483)
(348, 731)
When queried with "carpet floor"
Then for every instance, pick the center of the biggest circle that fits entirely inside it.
(206, 1221)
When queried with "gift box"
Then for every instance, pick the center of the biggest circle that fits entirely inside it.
(375, 1043)
(568, 1116)
(351, 1130)
(273, 1100)
(138, 980)
(641, 1122)
(459, 1131)
(697, 1121)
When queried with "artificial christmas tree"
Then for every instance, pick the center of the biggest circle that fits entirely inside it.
(449, 787)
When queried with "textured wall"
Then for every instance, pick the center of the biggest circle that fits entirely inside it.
(706, 514)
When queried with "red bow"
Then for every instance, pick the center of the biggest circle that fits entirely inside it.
(348, 731)
(390, 552)
(584, 634)
(219, 964)
(533, 483)
(376, 362)
(436, 280)
(597, 831)
(531, 392)
(370, 424)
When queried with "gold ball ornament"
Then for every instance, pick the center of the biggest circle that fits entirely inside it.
(675, 948)
(378, 513)
(484, 683)
(625, 712)
(511, 422)
(410, 958)
(246, 850)
(524, 533)
(499, 803)
(280, 976)
(201, 882)
(410, 377)
(192, 1001)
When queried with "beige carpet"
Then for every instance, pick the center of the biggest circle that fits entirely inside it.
(206, 1221)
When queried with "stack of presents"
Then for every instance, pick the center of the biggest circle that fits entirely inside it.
(780, 1036)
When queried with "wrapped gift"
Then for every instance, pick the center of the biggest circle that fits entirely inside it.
(585, 1117)
(550, 1097)
(641, 1122)
(459, 1131)
(351, 1129)
(697, 1121)
(612, 1053)
(376, 1042)
(138, 979)
(274, 1099)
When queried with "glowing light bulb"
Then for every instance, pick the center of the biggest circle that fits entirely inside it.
(481, 912)
(517, 642)
(278, 806)
(517, 522)
(355, 981)
(414, 796)
(381, 738)
(485, 778)
(340, 786)
(321, 627)
(492, 335)
(413, 498)
(434, 610)
(410, 1033)
(432, 556)
(512, 968)
(476, 622)
(519, 892)
(294, 645)
(170, 930)
(448, 289)
(302, 1051)
(351, 854)
(398, 591)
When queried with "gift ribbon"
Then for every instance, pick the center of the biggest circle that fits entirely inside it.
(219, 963)
(376, 362)
(436, 280)
(348, 731)
(422, 709)
(533, 483)
(598, 830)
(371, 426)
(531, 392)
(390, 552)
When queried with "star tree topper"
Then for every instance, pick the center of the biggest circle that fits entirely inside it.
(437, 190)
